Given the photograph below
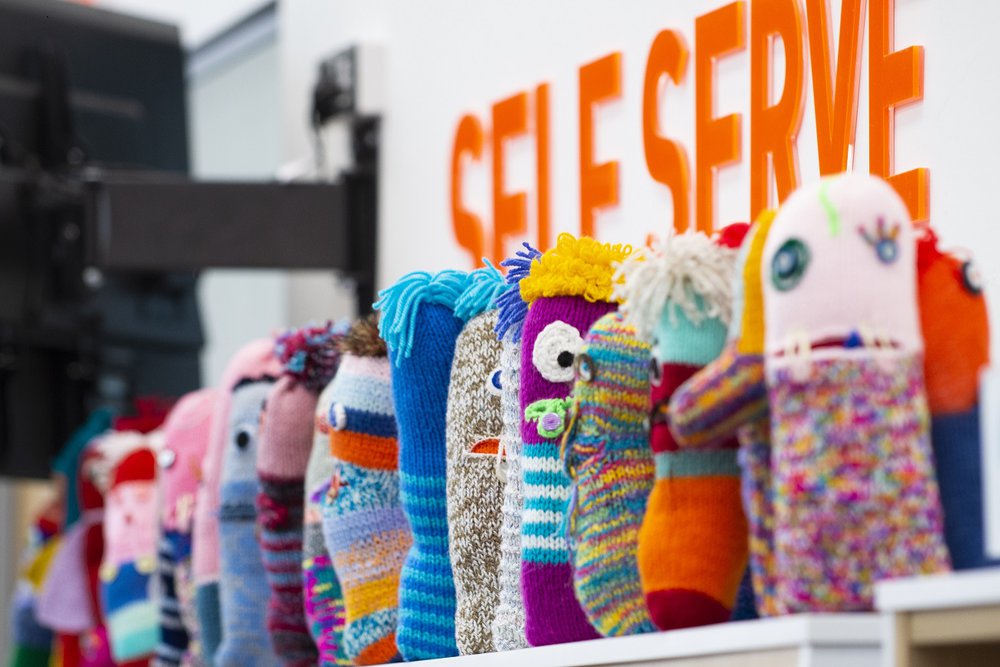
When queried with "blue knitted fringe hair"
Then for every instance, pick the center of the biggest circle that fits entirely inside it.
(512, 307)
(485, 286)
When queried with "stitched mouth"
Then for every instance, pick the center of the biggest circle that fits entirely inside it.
(486, 446)
(851, 341)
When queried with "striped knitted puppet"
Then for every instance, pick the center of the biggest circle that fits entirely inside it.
(310, 356)
(508, 622)
(420, 327)
(185, 440)
(475, 488)
(365, 529)
(693, 544)
(254, 360)
(607, 456)
(956, 342)
(130, 545)
(324, 600)
(243, 586)
(855, 499)
(568, 288)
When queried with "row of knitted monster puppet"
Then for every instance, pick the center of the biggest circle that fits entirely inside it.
(602, 442)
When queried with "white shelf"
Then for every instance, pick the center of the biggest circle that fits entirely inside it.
(969, 588)
(807, 640)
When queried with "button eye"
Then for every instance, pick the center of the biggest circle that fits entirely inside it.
(789, 265)
(494, 383)
(555, 350)
(972, 279)
(338, 417)
(585, 368)
(655, 371)
(243, 439)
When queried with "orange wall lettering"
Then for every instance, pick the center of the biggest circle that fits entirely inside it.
(895, 78)
(467, 226)
(600, 81)
(666, 159)
(542, 164)
(774, 127)
(717, 140)
(836, 103)
(510, 119)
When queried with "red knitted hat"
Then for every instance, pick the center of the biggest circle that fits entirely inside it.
(139, 466)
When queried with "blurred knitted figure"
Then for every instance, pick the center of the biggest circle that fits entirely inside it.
(607, 456)
(31, 641)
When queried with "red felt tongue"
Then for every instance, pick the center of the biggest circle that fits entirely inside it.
(487, 446)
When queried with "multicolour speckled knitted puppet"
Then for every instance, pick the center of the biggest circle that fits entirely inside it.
(366, 532)
(508, 622)
(474, 484)
(420, 325)
(243, 589)
(956, 334)
(693, 543)
(607, 456)
(185, 440)
(856, 499)
(310, 356)
(568, 288)
(254, 360)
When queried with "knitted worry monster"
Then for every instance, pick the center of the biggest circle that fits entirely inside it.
(420, 323)
(956, 347)
(607, 456)
(856, 499)
(693, 545)
(243, 586)
(365, 530)
(310, 357)
(508, 621)
(474, 471)
(568, 288)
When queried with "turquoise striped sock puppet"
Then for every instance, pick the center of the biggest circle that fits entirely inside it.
(693, 542)
(568, 288)
(420, 326)
(856, 499)
(607, 456)
(475, 487)
(310, 356)
(508, 621)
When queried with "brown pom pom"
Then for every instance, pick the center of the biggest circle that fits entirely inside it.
(363, 339)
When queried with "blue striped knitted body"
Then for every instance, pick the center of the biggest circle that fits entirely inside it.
(175, 547)
(420, 392)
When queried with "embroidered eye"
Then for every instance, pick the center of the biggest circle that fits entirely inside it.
(972, 279)
(338, 417)
(655, 371)
(494, 383)
(883, 241)
(555, 350)
(789, 264)
(585, 368)
(243, 438)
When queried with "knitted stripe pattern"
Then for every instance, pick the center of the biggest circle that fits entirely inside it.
(606, 453)
(366, 532)
(856, 500)
(243, 588)
(474, 487)
(174, 547)
(551, 337)
(758, 500)
(508, 624)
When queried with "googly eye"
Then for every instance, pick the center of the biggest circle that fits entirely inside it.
(972, 279)
(789, 264)
(655, 371)
(166, 458)
(494, 382)
(585, 368)
(243, 438)
(338, 417)
(887, 250)
(555, 350)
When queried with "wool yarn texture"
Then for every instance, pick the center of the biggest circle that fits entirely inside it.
(244, 593)
(130, 546)
(508, 621)
(568, 288)
(420, 322)
(956, 335)
(364, 527)
(324, 599)
(692, 546)
(310, 357)
(185, 441)
(254, 360)
(607, 457)
(474, 487)
(855, 496)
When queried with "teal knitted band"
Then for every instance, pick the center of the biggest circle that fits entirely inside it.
(696, 463)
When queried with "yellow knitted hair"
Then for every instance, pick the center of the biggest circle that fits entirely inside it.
(574, 267)
(752, 329)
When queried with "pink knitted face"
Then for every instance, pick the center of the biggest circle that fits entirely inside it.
(839, 274)
(130, 522)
